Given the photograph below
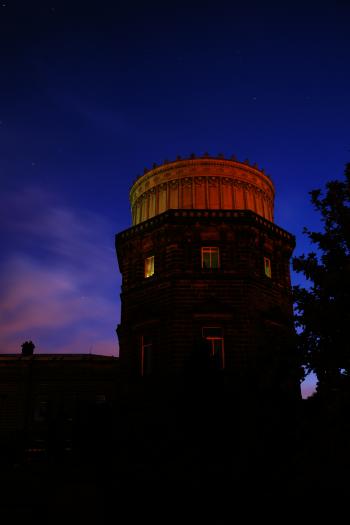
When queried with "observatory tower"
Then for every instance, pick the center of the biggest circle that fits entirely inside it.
(205, 269)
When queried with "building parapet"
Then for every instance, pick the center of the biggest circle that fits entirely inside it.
(240, 215)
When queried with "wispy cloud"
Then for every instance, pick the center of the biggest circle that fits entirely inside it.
(59, 281)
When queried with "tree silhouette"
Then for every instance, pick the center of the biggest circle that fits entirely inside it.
(28, 348)
(323, 309)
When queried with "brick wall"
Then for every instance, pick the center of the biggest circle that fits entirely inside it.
(180, 298)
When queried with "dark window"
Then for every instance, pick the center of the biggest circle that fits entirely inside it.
(146, 355)
(41, 410)
(210, 257)
(215, 340)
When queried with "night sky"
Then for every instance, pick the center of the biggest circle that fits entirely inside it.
(92, 92)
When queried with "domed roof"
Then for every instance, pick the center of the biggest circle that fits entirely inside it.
(202, 183)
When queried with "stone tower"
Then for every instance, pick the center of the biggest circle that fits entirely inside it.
(205, 275)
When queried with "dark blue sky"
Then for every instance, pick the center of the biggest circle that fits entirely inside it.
(91, 93)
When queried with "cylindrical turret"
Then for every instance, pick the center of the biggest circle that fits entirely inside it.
(202, 183)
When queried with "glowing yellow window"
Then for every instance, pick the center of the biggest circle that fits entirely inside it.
(210, 257)
(267, 266)
(149, 266)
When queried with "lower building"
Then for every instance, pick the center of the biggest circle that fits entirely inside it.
(48, 401)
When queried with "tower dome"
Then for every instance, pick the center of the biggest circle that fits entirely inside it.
(202, 183)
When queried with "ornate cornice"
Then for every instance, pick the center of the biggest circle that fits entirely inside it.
(198, 162)
(241, 216)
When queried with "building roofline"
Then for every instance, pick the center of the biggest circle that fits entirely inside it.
(61, 357)
(244, 216)
(206, 158)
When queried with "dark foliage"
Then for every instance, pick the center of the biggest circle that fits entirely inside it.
(323, 309)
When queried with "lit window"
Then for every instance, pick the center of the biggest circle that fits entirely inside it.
(100, 399)
(267, 266)
(146, 355)
(215, 339)
(210, 257)
(149, 266)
